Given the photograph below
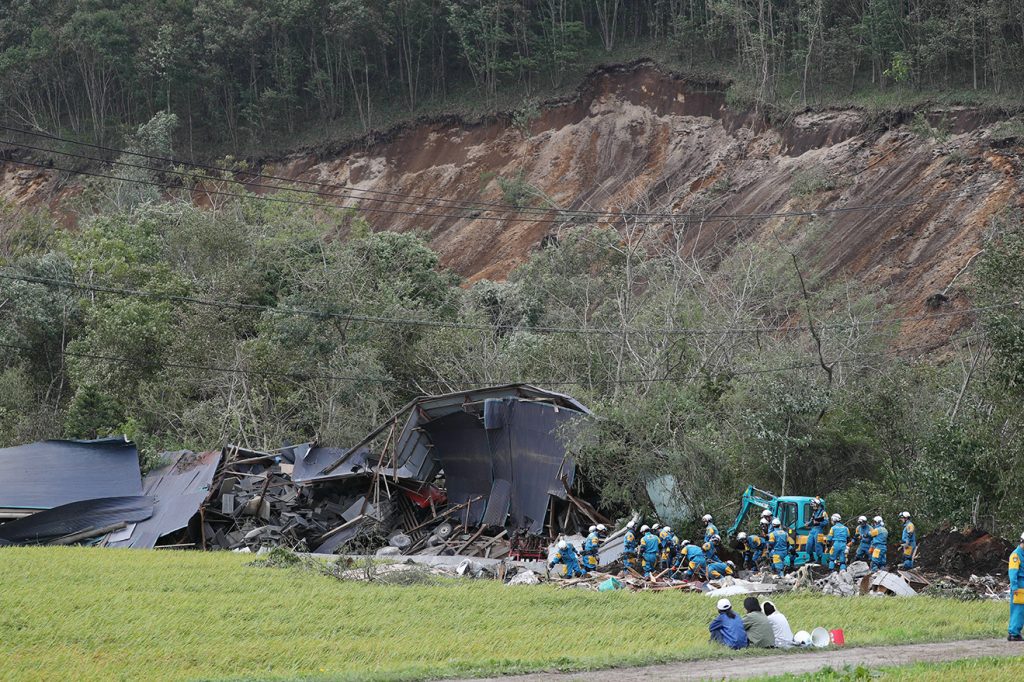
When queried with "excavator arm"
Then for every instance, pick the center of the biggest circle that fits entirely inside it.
(752, 498)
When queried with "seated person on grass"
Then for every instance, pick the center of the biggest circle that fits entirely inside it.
(760, 632)
(727, 627)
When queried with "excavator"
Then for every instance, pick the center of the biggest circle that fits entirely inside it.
(793, 510)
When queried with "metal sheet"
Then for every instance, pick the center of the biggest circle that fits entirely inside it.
(344, 535)
(179, 489)
(309, 465)
(50, 473)
(460, 445)
(76, 517)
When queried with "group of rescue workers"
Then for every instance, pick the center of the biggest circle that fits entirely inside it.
(657, 549)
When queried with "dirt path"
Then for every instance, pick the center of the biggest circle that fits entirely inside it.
(796, 663)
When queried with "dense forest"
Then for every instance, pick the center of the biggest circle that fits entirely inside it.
(240, 71)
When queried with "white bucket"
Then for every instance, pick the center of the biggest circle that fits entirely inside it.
(820, 638)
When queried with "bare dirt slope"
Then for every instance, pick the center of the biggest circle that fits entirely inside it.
(635, 137)
(798, 662)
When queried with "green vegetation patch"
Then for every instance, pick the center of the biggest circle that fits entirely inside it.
(185, 615)
(988, 669)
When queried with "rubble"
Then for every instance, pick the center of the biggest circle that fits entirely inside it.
(963, 553)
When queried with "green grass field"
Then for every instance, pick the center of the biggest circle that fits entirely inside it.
(127, 614)
(987, 669)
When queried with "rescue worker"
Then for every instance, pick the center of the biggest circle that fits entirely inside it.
(779, 543)
(766, 522)
(680, 559)
(864, 533)
(753, 548)
(628, 546)
(817, 524)
(879, 544)
(720, 569)
(709, 528)
(838, 537)
(1016, 592)
(668, 544)
(696, 563)
(711, 547)
(648, 551)
(591, 545)
(566, 554)
(908, 541)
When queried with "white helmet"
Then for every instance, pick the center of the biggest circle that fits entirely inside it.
(562, 544)
(684, 543)
(631, 524)
(741, 537)
(836, 518)
(601, 528)
(777, 522)
(667, 529)
(905, 515)
(724, 604)
(878, 519)
(766, 513)
(731, 565)
(707, 518)
(1022, 537)
(644, 528)
(592, 529)
(656, 526)
(802, 638)
(716, 538)
(862, 519)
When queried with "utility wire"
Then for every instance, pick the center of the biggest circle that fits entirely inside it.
(450, 324)
(306, 376)
(652, 218)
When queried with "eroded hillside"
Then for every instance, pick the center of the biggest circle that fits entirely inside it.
(900, 209)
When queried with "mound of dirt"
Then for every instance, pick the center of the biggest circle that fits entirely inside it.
(964, 553)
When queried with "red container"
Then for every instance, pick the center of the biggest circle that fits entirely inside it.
(837, 637)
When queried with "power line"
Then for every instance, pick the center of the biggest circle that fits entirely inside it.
(451, 324)
(306, 376)
(653, 218)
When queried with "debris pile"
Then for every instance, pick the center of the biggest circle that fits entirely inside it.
(963, 553)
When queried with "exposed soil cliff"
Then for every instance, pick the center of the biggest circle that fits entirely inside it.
(637, 138)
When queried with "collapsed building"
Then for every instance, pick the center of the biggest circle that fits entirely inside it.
(473, 473)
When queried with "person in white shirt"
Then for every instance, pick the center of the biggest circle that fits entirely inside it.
(780, 624)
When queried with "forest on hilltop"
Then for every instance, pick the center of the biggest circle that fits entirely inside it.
(237, 72)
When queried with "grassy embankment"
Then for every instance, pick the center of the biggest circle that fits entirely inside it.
(987, 669)
(101, 614)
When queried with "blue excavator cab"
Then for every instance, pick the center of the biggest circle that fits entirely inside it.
(793, 510)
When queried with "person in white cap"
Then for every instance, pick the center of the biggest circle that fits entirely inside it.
(879, 544)
(780, 625)
(566, 554)
(863, 532)
(909, 540)
(727, 627)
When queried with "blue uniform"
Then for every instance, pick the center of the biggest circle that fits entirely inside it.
(753, 551)
(864, 548)
(879, 545)
(710, 551)
(728, 630)
(838, 537)
(628, 549)
(590, 548)
(570, 558)
(709, 532)
(648, 551)
(696, 563)
(1016, 592)
(815, 546)
(779, 541)
(909, 544)
(718, 569)
(669, 544)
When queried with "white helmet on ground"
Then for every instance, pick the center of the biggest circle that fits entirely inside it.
(562, 544)
(802, 638)
(724, 604)
(601, 528)
(777, 522)
(836, 518)
(644, 528)
(741, 536)
(707, 518)
(862, 519)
